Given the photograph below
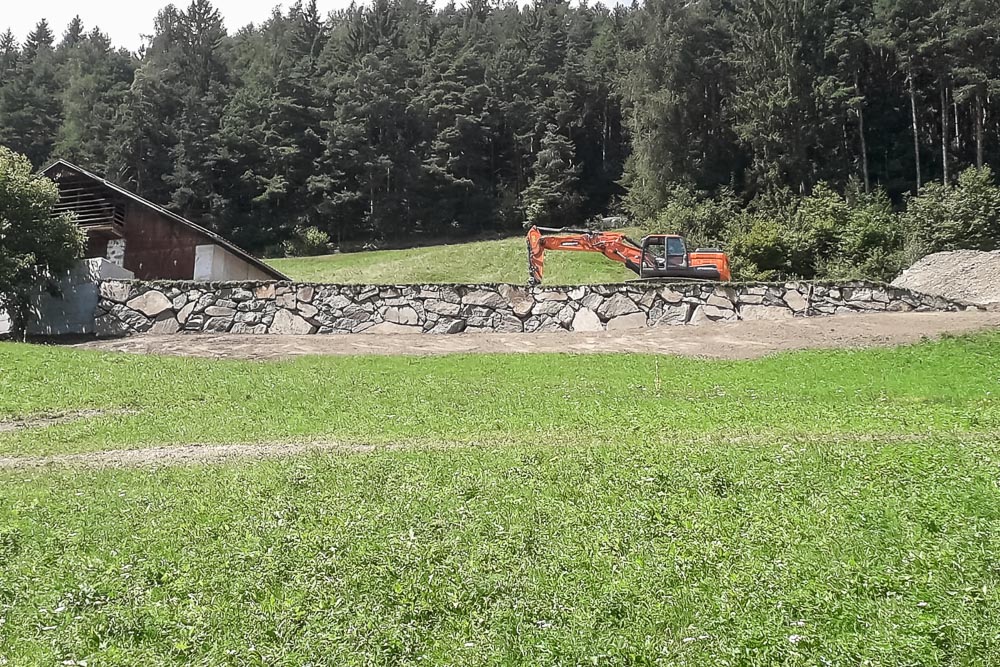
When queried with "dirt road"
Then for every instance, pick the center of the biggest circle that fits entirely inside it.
(736, 340)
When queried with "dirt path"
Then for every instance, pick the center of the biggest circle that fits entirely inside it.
(736, 340)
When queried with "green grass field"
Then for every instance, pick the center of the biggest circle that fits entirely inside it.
(503, 261)
(815, 508)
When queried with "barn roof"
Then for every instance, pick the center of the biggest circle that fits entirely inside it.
(207, 233)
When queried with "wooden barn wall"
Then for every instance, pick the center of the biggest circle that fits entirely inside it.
(158, 248)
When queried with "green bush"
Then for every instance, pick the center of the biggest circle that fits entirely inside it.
(782, 235)
(308, 241)
(704, 221)
(966, 216)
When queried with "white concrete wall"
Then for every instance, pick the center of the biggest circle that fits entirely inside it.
(215, 263)
(4, 323)
(72, 312)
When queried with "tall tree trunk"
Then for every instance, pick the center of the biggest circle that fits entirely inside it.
(979, 130)
(861, 137)
(944, 130)
(916, 132)
(957, 139)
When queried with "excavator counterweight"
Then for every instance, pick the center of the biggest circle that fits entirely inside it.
(658, 256)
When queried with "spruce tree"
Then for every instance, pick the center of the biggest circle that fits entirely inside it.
(552, 199)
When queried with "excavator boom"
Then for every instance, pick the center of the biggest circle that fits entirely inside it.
(673, 263)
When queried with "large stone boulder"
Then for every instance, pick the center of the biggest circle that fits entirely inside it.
(630, 321)
(586, 320)
(288, 323)
(617, 305)
(150, 303)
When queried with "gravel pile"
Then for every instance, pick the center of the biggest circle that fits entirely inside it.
(971, 276)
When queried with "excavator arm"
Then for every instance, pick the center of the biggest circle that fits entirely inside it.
(614, 246)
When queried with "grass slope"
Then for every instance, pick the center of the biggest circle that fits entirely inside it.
(503, 261)
(580, 517)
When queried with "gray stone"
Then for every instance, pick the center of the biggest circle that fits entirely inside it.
(220, 311)
(900, 307)
(265, 291)
(669, 315)
(762, 312)
(367, 293)
(484, 298)
(286, 322)
(448, 326)
(592, 301)
(647, 299)
(630, 321)
(336, 302)
(285, 300)
(521, 302)
(439, 293)
(509, 324)
(165, 324)
(245, 328)
(305, 294)
(307, 310)
(393, 327)
(796, 301)
(566, 316)
(241, 294)
(403, 316)
(547, 307)
(178, 302)
(617, 305)
(150, 304)
(442, 307)
(114, 291)
(577, 293)
(586, 320)
(551, 295)
(216, 324)
(248, 318)
(551, 325)
(715, 313)
(108, 326)
(718, 301)
(194, 323)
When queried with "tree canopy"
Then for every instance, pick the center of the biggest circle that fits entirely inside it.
(398, 119)
(34, 244)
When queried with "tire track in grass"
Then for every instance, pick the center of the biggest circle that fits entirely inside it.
(179, 455)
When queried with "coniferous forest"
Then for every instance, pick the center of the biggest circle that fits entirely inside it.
(802, 133)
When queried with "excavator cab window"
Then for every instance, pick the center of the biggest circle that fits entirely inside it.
(663, 252)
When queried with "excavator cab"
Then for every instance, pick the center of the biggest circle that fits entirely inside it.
(661, 252)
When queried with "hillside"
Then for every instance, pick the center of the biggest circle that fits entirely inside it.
(502, 261)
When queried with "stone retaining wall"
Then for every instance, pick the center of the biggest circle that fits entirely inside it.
(128, 307)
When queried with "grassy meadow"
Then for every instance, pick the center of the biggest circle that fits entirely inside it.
(814, 508)
(504, 261)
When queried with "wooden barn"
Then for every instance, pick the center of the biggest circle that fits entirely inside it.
(148, 240)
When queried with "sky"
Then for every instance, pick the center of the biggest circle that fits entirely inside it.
(126, 20)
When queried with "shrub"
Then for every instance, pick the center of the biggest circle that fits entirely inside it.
(966, 216)
(308, 241)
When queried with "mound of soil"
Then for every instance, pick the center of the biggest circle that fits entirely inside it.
(971, 276)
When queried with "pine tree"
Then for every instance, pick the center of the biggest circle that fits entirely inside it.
(552, 199)
(30, 112)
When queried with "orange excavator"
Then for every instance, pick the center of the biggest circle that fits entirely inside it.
(657, 256)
